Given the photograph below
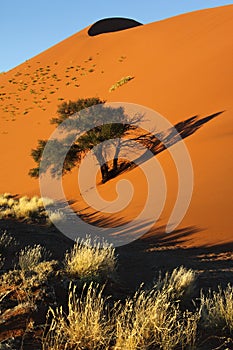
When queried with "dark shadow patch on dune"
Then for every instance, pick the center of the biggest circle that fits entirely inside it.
(161, 141)
(28, 234)
(186, 128)
(157, 252)
(109, 25)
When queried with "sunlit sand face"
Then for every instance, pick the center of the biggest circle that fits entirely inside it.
(181, 68)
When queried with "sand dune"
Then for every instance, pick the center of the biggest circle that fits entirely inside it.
(182, 67)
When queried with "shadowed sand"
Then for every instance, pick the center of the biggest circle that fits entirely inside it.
(182, 67)
(109, 25)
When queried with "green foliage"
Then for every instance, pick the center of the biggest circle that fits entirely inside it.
(66, 109)
(89, 137)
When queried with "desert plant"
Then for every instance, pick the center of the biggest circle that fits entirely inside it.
(4, 199)
(26, 207)
(148, 320)
(30, 257)
(55, 216)
(217, 310)
(23, 207)
(152, 320)
(6, 240)
(114, 123)
(120, 82)
(91, 260)
(181, 281)
(85, 327)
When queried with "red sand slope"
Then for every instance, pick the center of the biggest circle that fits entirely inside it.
(182, 67)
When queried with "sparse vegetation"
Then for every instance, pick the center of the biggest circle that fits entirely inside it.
(6, 240)
(148, 320)
(30, 257)
(91, 260)
(31, 209)
(56, 216)
(217, 311)
(180, 282)
(120, 82)
(86, 325)
(152, 318)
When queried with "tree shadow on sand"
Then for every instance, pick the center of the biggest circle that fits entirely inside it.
(157, 252)
(156, 143)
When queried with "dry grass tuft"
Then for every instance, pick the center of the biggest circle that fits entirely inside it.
(91, 261)
(24, 207)
(181, 281)
(85, 326)
(30, 257)
(6, 240)
(148, 320)
(217, 310)
(120, 82)
(153, 320)
(55, 216)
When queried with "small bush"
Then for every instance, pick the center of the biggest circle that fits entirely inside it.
(217, 310)
(55, 217)
(120, 82)
(152, 320)
(30, 257)
(24, 207)
(4, 199)
(148, 320)
(6, 240)
(85, 326)
(180, 282)
(89, 261)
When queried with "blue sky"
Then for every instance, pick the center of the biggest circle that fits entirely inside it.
(29, 27)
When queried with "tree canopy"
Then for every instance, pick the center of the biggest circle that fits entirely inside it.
(96, 124)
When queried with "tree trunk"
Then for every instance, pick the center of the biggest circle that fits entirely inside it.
(115, 165)
(103, 166)
(104, 172)
(115, 160)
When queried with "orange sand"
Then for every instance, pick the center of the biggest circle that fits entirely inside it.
(182, 67)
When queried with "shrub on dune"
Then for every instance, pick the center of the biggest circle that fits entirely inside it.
(148, 320)
(55, 216)
(181, 281)
(6, 240)
(4, 199)
(217, 310)
(120, 82)
(85, 326)
(91, 260)
(153, 320)
(23, 207)
(30, 257)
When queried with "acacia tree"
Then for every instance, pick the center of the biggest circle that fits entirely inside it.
(112, 124)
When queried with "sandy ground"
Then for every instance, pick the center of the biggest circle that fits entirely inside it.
(181, 66)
